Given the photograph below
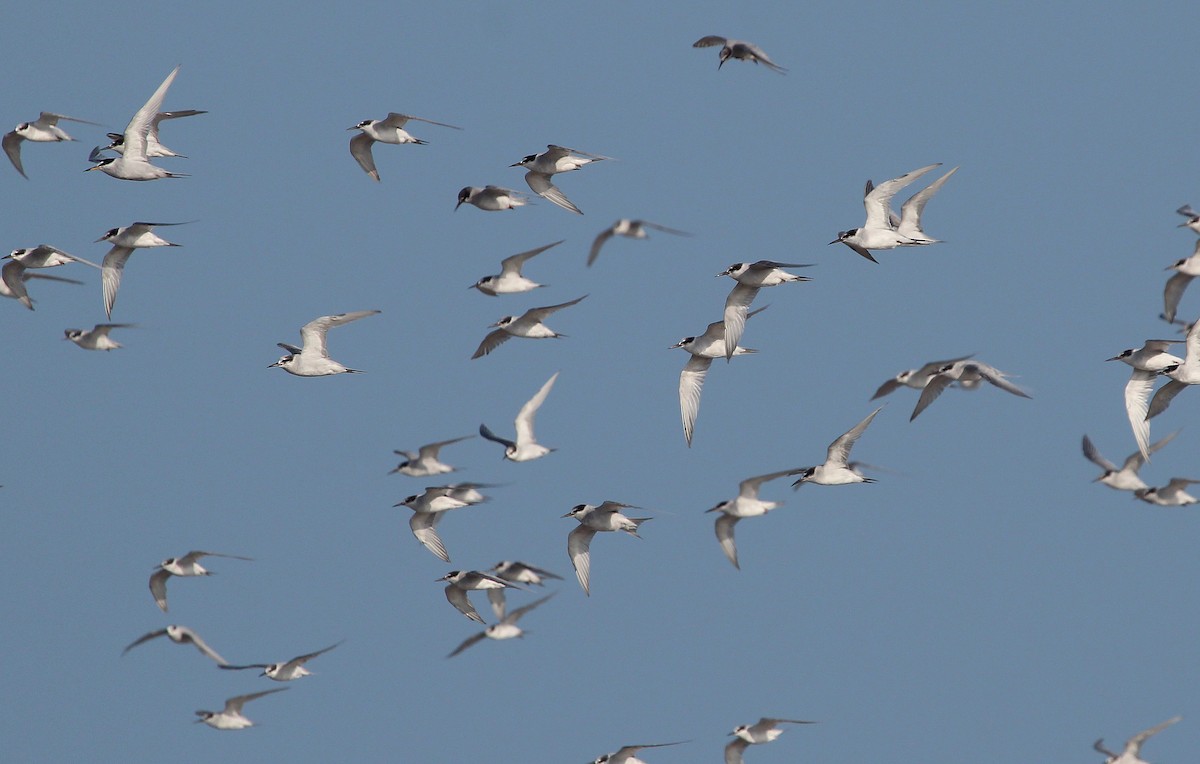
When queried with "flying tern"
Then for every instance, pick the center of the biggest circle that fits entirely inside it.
(491, 198)
(44, 129)
(12, 282)
(287, 670)
(915, 378)
(45, 256)
(95, 338)
(312, 360)
(751, 277)
(837, 469)
(1126, 477)
(507, 627)
(154, 149)
(626, 754)
(1173, 494)
(459, 582)
(1185, 270)
(553, 160)
(739, 49)
(878, 232)
(702, 350)
(180, 635)
(187, 565)
(1133, 747)
(509, 280)
(1193, 218)
(1147, 362)
(230, 717)
(424, 461)
(765, 730)
(134, 163)
(632, 229)
(517, 573)
(124, 240)
(968, 374)
(594, 519)
(390, 129)
(528, 324)
(1182, 374)
(525, 448)
(746, 504)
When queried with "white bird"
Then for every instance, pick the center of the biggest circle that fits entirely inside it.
(1193, 218)
(180, 635)
(632, 229)
(626, 754)
(390, 129)
(878, 232)
(751, 277)
(96, 338)
(909, 224)
(1185, 270)
(1147, 362)
(518, 573)
(1182, 374)
(45, 256)
(509, 280)
(553, 160)
(124, 241)
(968, 374)
(702, 350)
(837, 470)
(459, 582)
(134, 163)
(424, 461)
(287, 670)
(528, 324)
(746, 504)
(739, 49)
(230, 717)
(312, 360)
(1125, 478)
(915, 378)
(1173, 494)
(525, 448)
(44, 129)
(1133, 747)
(433, 499)
(12, 282)
(187, 565)
(594, 519)
(154, 149)
(428, 508)
(765, 730)
(491, 198)
(506, 629)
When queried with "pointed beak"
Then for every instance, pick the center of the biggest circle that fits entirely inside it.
(1114, 358)
(518, 164)
(93, 167)
(835, 241)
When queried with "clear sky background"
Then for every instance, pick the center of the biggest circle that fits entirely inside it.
(982, 602)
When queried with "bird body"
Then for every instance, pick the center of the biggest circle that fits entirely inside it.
(737, 49)
(312, 360)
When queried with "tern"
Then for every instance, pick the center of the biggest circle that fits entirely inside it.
(186, 565)
(915, 378)
(525, 448)
(1147, 362)
(765, 730)
(702, 349)
(428, 508)
(1133, 746)
(459, 582)
(45, 256)
(1182, 374)
(96, 338)
(312, 360)
(746, 504)
(517, 573)
(154, 149)
(1126, 477)
(433, 499)
(134, 163)
(287, 670)
(528, 324)
(180, 635)
(837, 470)
(390, 129)
(12, 282)
(968, 374)
(44, 129)
(592, 520)
(230, 717)
(124, 240)
(1173, 494)
(1193, 218)
(491, 198)
(625, 754)
(633, 229)
(739, 49)
(553, 160)
(506, 629)
(425, 461)
(509, 280)
(751, 277)
(878, 232)
(1185, 270)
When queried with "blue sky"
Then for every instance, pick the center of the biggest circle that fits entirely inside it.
(983, 601)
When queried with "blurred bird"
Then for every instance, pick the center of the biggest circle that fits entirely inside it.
(1185, 270)
(1133, 746)
(915, 378)
(186, 565)
(180, 635)
(230, 717)
(746, 504)
(390, 129)
(312, 360)
(1182, 374)
(96, 338)
(45, 256)
(525, 448)
(1126, 478)
(509, 280)
(517, 573)
(1173, 494)
(506, 629)
(491, 198)
(288, 670)
(739, 49)
(625, 754)
(594, 519)
(765, 730)
(1193, 218)
(44, 129)
(632, 229)
(459, 582)
(425, 462)
(12, 282)
(968, 374)
(528, 324)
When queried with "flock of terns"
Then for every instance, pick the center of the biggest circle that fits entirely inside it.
(882, 230)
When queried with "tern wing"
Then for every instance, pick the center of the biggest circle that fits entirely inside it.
(468, 642)
(458, 598)
(734, 750)
(360, 149)
(541, 314)
(541, 185)
(1134, 745)
(234, 704)
(13, 276)
(1134, 461)
(597, 243)
(839, 450)
(1093, 455)
(748, 488)
(662, 228)
(493, 340)
(201, 645)
(910, 212)
(144, 638)
(708, 41)
(578, 542)
(737, 304)
(1162, 399)
(512, 264)
(300, 660)
(423, 527)
(313, 333)
(111, 269)
(724, 530)
(431, 450)
(138, 129)
(489, 435)
(158, 588)
(879, 199)
(399, 120)
(933, 388)
(1137, 403)
(515, 615)
(524, 420)
(12, 147)
(691, 382)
